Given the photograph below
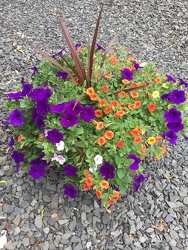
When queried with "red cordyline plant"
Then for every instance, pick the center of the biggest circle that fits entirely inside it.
(98, 118)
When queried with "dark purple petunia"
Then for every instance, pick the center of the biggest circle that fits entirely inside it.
(175, 126)
(18, 157)
(60, 53)
(100, 47)
(77, 46)
(70, 190)
(70, 170)
(58, 108)
(172, 136)
(87, 113)
(27, 88)
(38, 119)
(55, 135)
(127, 74)
(107, 170)
(69, 120)
(16, 118)
(138, 179)
(34, 95)
(135, 164)
(5, 123)
(35, 70)
(137, 66)
(73, 107)
(165, 96)
(182, 82)
(173, 115)
(38, 168)
(15, 95)
(170, 78)
(62, 75)
(11, 142)
(177, 96)
(45, 94)
(43, 107)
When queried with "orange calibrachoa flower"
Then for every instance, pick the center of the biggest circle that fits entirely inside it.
(163, 148)
(144, 84)
(120, 144)
(152, 107)
(20, 138)
(40, 137)
(97, 72)
(107, 110)
(119, 113)
(124, 133)
(90, 91)
(136, 131)
(159, 139)
(158, 80)
(102, 103)
(137, 140)
(104, 184)
(101, 140)
(116, 195)
(156, 158)
(127, 49)
(134, 85)
(104, 88)
(111, 202)
(100, 125)
(93, 96)
(130, 58)
(125, 81)
(123, 106)
(109, 134)
(98, 194)
(114, 103)
(131, 106)
(137, 104)
(143, 148)
(113, 60)
(98, 113)
(151, 140)
(86, 172)
(89, 180)
(107, 75)
(134, 94)
(86, 187)
(122, 94)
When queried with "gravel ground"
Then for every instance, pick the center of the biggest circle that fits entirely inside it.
(34, 213)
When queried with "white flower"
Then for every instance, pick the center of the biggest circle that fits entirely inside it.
(92, 169)
(59, 159)
(60, 145)
(46, 132)
(98, 159)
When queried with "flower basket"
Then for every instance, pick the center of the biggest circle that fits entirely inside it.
(97, 114)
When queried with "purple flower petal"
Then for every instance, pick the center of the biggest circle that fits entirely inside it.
(70, 190)
(58, 108)
(62, 75)
(87, 113)
(170, 78)
(127, 74)
(16, 118)
(107, 170)
(55, 135)
(69, 120)
(70, 170)
(177, 96)
(171, 135)
(173, 115)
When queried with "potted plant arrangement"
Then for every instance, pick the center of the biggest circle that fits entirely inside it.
(97, 114)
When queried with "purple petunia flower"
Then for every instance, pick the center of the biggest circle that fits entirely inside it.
(70, 170)
(70, 190)
(182, 82)
(100, 47)
(43, 107)
(37, 168)
(165, 96)
(73, 107)
(16, 118)
(87, 113)
(135, 164)
(69, 120)
(27, 88)
(55, 135)
(58, 108)
(11, 142)
(34, 95)
(137, 66)
(15, 95)
(77, 46)
(127, 74)
(138, 179)
(35, 70)
(177, 96)
(5, 123)
(175, 126)
(45, 94)
(171, 135)
(62, 75)
(38, 119)
(170, 78)
(18, 156)
(173, 115)
(107, 170)
(59, 53)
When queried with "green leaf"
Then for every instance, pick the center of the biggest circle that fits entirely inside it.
(121, 173)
